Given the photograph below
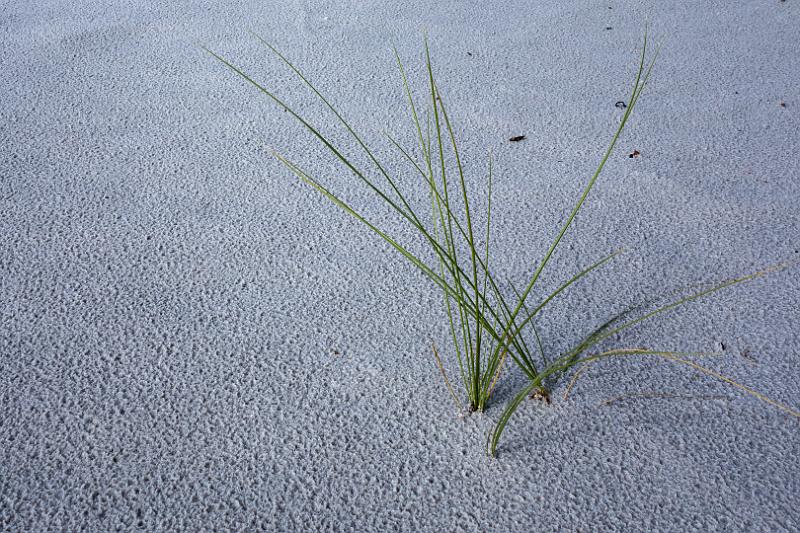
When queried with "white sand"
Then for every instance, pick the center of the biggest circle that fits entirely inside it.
(190, 340)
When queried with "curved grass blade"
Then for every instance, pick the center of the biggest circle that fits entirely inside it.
(681, 301)
(638, 86)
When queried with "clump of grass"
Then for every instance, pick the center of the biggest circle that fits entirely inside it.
(487, 325)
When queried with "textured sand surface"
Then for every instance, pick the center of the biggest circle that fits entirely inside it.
(190, 340)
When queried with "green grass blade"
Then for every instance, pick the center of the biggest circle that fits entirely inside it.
(409, 216)
(637, 87)
(412, 107)
(502, 422)
(348, 209)
(530, 320)
(690, 298)
(344, 122)
(511, 333)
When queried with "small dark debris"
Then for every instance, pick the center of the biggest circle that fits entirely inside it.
(541, 394)
(620, 105)
(609, 28)
(745, 353)
(337, 352)
(517, 138)
(469, 54)
(635, 153)
(782, 103)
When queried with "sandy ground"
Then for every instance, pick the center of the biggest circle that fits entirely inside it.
(193, 341)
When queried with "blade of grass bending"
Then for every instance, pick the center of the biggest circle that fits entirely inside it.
(605, 331)
(571, 358)
(575, 377)
(685, 300)
(587, 341)
(497, 431)
(585, 366)
(634, 97)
